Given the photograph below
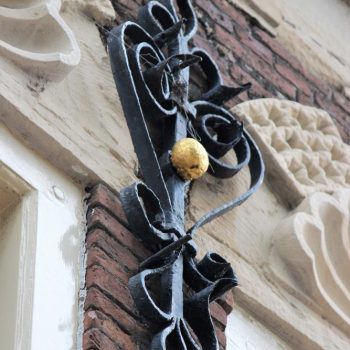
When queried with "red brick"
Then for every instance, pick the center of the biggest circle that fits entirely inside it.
(256, 46)
(305, 99)
(230, 41)
(103, 196)
(241, 77)
(221, 337)
(218, 313)
(341, 101)
(266, 71)
(97, 320)
(342, 118)
(215, 14)
(316, 82)
(98, 217)
(209, 47)
(97, 300)
(295, 78)
(281, 51)
(120, 254)
(335, 111)
(94, 339)
(97, 257)
(227, 302)
(111, 287)
(257, 91)
(236, 15)
(257, 64)
(276, 47)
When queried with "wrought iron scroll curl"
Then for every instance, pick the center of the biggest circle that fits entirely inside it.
(151, 62)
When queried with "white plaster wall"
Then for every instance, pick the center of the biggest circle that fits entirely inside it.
(245, 333)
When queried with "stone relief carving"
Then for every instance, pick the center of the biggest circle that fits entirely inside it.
(36, 38)
(302, 148)
(311, 255)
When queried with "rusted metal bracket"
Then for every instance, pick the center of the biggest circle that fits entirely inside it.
(151, 62)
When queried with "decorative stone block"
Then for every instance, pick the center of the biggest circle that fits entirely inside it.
(301, 146)
(36, 38)
(311, 255)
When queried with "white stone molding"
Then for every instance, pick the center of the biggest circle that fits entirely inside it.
(301, 145)
(101, 11)
(34, 36)
(311, 255)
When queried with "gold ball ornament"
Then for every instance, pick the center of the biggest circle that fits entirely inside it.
(189, 158)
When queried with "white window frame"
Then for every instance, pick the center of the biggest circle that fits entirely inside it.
(52, 235)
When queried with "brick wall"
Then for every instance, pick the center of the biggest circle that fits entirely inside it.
(111, 321)
(246, 53)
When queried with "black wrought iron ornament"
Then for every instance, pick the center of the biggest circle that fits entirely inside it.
(151, 62)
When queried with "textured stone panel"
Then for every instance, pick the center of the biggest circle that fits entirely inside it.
(301, 147)
(36, 38)
(313, 244)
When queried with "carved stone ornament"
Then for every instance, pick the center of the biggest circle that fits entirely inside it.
(311, 254)
(175, 138)
(301, 145)
(34, 36)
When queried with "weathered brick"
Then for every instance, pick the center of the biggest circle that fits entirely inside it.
(316, 82)
(210, 48)
(98, 217)
(287, 56)
(341, 117)
(260, 66)
(221, 337)
(295, 78)
(341, 101)
(218, 313)
(95, 300)
(94, 339)
(96, 256)
(230, 41)
(103, 196)
(95, 319)
(227, 302)
(247, 39)
(241, 77)
(215, 14)
(116, 251)
(111, 287)
(277, 48)
(305, 99)
(235, 14)
(267, 72)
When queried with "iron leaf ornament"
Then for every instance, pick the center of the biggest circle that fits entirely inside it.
(151, 62)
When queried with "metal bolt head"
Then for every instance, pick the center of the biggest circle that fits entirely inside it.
(189, 158)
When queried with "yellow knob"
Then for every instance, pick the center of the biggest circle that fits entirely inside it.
(189, 158)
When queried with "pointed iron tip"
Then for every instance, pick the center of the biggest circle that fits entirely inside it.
(187, 60)
(246, 86)
(168, 34)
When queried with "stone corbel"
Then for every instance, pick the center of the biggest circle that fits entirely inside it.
(34, 36)
(311, 255)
